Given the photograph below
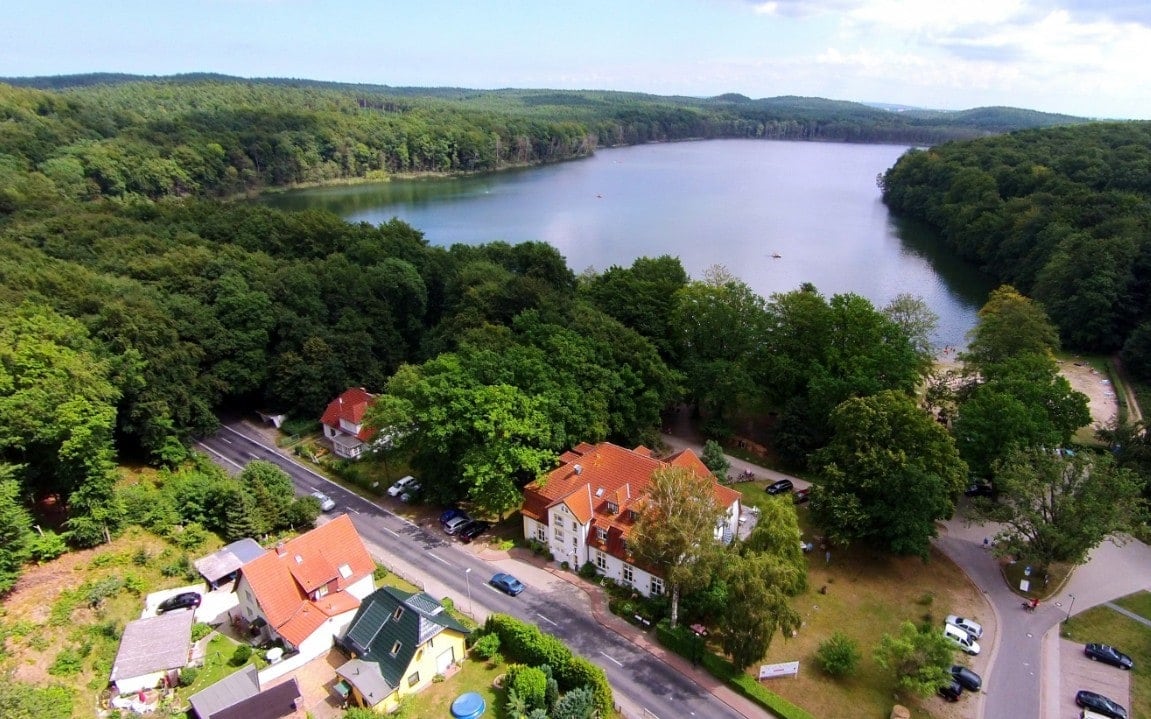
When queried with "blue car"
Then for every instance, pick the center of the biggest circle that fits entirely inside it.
(507, 584)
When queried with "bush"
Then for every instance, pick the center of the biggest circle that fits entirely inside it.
(101, 590)
(588, 570)
(380, 572)
(46, 547)
(67, 663)
(487, 646)
(188, 676)
(838, 656)
(135, 584)
(300, 426)
(141, 556)
(529, 683)
(190, 537)
(177, 568)
(200, 630)
(576, 704)
(241, 656)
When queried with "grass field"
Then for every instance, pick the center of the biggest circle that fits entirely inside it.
(1107, 626)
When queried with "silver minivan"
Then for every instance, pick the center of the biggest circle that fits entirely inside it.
(455, 524)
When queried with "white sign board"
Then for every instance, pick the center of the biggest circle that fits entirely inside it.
(771, 671)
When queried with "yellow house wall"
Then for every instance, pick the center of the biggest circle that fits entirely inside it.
(425, 665)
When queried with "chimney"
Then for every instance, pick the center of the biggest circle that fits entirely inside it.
(280, 548)
(578, 469)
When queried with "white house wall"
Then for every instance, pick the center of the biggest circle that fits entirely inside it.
(131, 685)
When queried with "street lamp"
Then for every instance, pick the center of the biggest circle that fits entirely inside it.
(1070, 606)
(468, 579)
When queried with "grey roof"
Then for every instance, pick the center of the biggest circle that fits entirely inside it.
(365, 676)
(228, 559)
(226, 692)
(154, 644)
(278, 701)
(388, 619)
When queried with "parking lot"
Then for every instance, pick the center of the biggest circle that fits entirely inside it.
(1079, 672)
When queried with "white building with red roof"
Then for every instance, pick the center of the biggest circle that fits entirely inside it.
(584, 509)
(306, 590)
(343, 422)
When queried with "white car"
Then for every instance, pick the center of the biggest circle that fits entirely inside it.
(401, 485)
(973, 628)
(326, 502)
(961, 639)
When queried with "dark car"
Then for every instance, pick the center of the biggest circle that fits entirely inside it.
(1099, 704)
(780, 486)
(951, 691)
(449, 514)
(472, 529)
(507, 584)
(801, 495)
(979, 489)
(184, 600)
(1108, 655)
(969, 679)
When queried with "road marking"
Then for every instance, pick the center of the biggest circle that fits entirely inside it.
(226, 440)
(439, 559)
(613, 659)
(392, 532)
(234, 464)
(554, 624)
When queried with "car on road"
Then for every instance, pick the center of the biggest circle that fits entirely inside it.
(183, 600)
(1108, 655)
(507, 584)
(801, 495)
(1099, 704)
(456, 523)
(951, 691)
(780, 486)
(975, 629)
(961, 638)
(472, 529)
(969, 679)
(326, 502)
(401, 484)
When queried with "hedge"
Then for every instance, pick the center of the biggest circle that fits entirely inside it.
(679, 641)
(525, 643)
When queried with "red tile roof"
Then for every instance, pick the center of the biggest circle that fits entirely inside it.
(350, 407)
(282, 579)
(591, 478)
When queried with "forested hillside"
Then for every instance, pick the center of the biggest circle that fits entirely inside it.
(1063, 214)
(90, 136)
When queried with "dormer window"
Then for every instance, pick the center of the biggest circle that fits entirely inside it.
(612, 508)
(601, 534)
(632, 514)
(396, 648)
(398, 613)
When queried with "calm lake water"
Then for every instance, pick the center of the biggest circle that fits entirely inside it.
(776, 214)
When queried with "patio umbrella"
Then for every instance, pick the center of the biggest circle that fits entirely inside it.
(468, 706)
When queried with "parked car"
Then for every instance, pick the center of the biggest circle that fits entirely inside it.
(951, 691)
(183, 600)
(326, 502)
(449, 514)
(401, 484)
(1099, 704)
(961, 638)
(975, 629)
(969, 679)
(780, 486)
(410, 493)
(472, 529)
(979, 489)
(456, 523)
(801, 495)
(1108, 655)
(507, 584)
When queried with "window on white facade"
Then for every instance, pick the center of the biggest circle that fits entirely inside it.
(656, 586)
(628, 574)
(542, 533)
(575, 526)
(559, 532)
(601, 560)
(601, 534)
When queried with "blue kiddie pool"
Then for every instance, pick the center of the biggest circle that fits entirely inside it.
(468, 706)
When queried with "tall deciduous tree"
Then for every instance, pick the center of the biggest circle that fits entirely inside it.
(1009, 325)
(777, 535)
(15, 529)
(757, 607)
(714, 458)
(675, 532)
(1057, 508)
(888, 475)
(920, 658)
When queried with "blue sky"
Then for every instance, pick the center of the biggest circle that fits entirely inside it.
(1084, 57)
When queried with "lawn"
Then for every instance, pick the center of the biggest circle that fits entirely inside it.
(864, 594)
(1107, 626)
(217, 664)
(473, 676)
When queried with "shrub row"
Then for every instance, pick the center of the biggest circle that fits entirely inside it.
(525, 643)
(680, 641)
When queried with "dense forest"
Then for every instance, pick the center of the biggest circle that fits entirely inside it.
(1063, 214)
(91, 136)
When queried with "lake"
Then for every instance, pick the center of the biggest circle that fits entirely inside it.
(775, 214)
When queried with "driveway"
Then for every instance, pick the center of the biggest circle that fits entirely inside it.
(214, 606)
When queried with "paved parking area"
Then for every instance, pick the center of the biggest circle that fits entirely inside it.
(1079, 672)
(214, 606)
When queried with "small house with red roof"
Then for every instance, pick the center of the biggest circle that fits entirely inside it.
(343, 422)
(584, 509)
(306, 590)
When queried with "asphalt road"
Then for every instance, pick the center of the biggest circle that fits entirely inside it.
(640, 681)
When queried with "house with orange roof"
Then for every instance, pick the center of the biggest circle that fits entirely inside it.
(584, 510)
(306, 590)
(343, 422)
